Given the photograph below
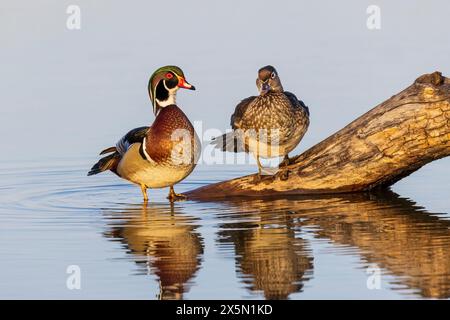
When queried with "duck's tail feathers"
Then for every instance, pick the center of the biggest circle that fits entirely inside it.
(232, 142)
(109, 162)
(108, 150)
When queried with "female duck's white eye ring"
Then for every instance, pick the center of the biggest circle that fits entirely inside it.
(273, 75)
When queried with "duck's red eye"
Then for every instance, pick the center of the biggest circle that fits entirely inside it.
(169, 75)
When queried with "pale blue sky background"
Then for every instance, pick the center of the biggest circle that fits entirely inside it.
(70, 93)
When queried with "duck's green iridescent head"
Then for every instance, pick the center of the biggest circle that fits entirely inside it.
(163, 86)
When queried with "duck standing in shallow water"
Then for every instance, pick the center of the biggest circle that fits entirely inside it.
(269, 125)
(166, 152)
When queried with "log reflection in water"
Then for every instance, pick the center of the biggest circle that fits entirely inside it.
(395, 233)
(163, 240)
(410, 243)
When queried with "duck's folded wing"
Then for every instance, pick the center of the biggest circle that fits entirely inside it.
(296, 102)
(116, 153)
(239, 112)
(133, 136)
(234, 141)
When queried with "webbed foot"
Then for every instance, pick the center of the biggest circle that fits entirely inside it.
(175, 196)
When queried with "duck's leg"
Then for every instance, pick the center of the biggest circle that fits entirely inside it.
(144, 192)
(284, 174)
(286, 161)
(175, 196)
(259, 168)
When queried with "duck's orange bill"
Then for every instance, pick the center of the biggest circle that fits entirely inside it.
(184, 84)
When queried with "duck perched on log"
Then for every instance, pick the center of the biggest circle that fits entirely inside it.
(379, 148)
(269, 125)
(166, 152)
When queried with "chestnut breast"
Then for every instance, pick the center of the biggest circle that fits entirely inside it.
(160, 137)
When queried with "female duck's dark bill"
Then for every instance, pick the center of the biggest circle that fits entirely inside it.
(265, 87)
(184, 84)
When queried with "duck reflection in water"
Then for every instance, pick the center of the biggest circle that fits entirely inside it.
(164, 242)
(403, 239)
(269, 256)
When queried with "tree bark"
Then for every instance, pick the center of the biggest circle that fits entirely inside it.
(384, 145)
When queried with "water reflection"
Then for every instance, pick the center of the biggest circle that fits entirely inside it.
(269, 257)
(163, 241)
(272, 242)
(400, 237)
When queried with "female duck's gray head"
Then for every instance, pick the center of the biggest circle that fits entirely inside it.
(268, 80)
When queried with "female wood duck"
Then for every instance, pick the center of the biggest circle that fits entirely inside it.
(269, 125)
(166, 152)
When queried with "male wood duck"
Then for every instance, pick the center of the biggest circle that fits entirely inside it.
(269, 125)
(166, 152)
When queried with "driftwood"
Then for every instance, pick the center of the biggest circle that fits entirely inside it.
(386, 144)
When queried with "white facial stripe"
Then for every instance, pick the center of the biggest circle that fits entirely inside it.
(164, 83)
(172, 96)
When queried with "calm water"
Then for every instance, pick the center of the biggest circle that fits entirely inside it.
(53, 216)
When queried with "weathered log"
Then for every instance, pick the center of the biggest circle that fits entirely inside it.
(384, 145)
